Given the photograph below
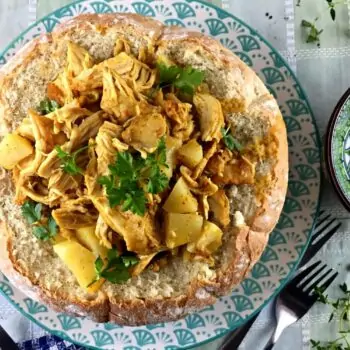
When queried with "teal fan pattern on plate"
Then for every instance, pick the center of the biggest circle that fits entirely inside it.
(286, 243)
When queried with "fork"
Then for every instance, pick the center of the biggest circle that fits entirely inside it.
(298, 297)
(324, 230)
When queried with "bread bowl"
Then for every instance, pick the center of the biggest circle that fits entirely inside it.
(183, 285)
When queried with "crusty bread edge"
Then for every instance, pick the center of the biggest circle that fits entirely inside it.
(247, 247)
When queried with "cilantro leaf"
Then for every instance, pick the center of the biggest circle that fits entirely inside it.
(116, 196)
(107, 181)
(116, 275)
(68, 161)
(129, 260)
(167, 73)
(135, 201)
(52, 226)
(124, 166)
(41, 232)
(112, 254)
(116, 270)
(158, 182)
(99, 265)
(31, 211)
(230, 142)
(185, 79)
(188, 80)
(47, 106)
(130, 173)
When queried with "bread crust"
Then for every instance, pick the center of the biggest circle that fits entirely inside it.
(245, 245)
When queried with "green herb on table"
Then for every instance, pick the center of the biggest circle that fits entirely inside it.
(230, 142)
(69, 161)
(116, 269)
(47, 106)
(313, 32)
(32, 212)
(185, 79)
(132, 176)
(341, 311)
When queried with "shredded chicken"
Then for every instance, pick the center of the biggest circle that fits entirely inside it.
(25, 129)
(60, 183)
(179, 113)
(101, 232)
(139, 232)
(86, 130)
(120, 105)
(219, 205)
(144, 132)
(75, 214)
(203, 163)
(78, 59)
(91, 174)
(105, 149)
(64, 118)
(211, 118)
(236, 171)
(61, 90)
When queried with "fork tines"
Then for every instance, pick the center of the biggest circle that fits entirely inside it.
(304, 280)
(325, 228)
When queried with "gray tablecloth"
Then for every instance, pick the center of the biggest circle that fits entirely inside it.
(325, 76)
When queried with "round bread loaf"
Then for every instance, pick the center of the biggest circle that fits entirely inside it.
(182, 286)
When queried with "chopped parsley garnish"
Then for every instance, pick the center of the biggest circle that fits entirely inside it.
(31, 211)
(130, 176)
(47, 106)
(185, 79)
(230, 142)
(116, 270)
(68, 161)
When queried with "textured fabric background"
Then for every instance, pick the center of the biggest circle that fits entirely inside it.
(324, 74)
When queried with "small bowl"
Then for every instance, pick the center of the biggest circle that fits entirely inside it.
(337, 149)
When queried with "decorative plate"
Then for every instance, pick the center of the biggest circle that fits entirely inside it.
(290, 238)
(338, 149)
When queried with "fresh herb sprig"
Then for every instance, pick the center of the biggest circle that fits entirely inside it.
(313, 32)
(116, 269)
(47, 106)
(32, 212)
(69, 161)
(230, 142)
(131, 176)
(185, 79)
(341, 310)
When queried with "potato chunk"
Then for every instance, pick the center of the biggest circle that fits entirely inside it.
(181, 200)
(14, 148)
(80, 261)
(190, 154)
(172, 145)
(182, 228)
(86, 236)
(209, 240)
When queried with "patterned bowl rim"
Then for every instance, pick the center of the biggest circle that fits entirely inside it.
(328, 149)
(319, 146)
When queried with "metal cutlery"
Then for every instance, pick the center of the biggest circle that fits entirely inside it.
(298, 297)
(324, 229)
(6, 342)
